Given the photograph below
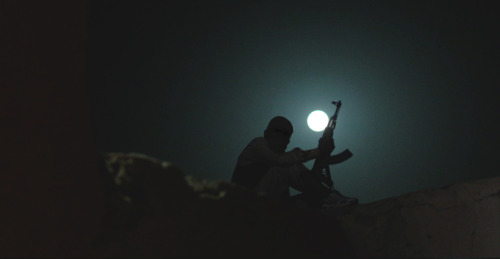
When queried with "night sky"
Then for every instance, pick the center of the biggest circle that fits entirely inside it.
(193, 83)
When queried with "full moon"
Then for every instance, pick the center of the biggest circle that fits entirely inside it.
(317, 120)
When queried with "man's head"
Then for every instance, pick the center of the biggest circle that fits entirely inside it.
(278, 133)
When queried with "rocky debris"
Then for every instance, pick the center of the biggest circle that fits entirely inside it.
(154, 210)
(459, 220)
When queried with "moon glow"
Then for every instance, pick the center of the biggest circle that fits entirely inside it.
(317, 120)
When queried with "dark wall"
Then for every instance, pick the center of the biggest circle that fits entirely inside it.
(49, 194)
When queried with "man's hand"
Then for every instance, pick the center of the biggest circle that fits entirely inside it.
(326, 146)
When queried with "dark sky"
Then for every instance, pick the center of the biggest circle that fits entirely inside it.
(193, 83)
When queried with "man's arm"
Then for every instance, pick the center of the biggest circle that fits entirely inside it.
(325, 147)
(311, 154)
(259, 152)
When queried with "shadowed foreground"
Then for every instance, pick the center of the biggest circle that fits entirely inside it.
(156, 210)
(177, 215)
(459, 220)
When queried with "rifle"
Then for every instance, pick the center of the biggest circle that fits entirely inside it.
(322, 164)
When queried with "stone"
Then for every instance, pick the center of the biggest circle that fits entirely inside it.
(158, 211)
(458, 220)
(178, 215)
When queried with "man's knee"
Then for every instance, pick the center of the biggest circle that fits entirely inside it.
(314, 186)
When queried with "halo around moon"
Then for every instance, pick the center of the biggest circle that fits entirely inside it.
(317, 120)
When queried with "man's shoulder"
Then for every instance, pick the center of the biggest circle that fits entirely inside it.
(258, 141)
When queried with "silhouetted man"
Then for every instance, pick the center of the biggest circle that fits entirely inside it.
(264, 166)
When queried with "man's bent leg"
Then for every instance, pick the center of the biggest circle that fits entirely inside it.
(277, 181)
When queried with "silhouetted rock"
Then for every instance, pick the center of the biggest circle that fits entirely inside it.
(154, 210)
(166, 213)
(459, 220)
